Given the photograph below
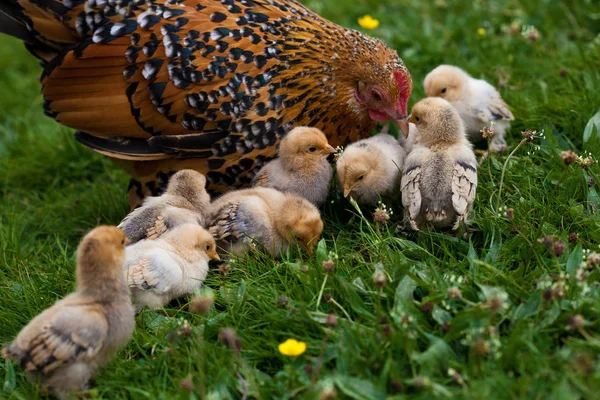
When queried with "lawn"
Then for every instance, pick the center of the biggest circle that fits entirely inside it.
(493, 314)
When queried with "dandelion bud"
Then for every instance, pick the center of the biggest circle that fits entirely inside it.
(228, 337)
(569, 157)
(573, 237)
(446, 327)
(510, 213)
(395, 386)
(380, 279)
(282, 302)
(454, 293)
(187, 384)
(481, 347)
(202, 304)
(381, 215)
(331, 321)
(559, 248)
(427, 307)
(329, 393)
(576, 322)
(591, 182)
(593, 260)
(328, 266)
(547, 241)
(327, 298)
(224, 269)
(185, 330)
(529, 135)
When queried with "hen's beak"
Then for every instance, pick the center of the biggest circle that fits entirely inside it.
(403, 125)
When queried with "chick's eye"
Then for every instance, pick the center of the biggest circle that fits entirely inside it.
(376, 95)
(444, 90)
(417, 119)
(312, 149)
(207, 247)
(122, 242)
(360, 178)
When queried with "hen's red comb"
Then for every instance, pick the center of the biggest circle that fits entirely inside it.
(405, 85)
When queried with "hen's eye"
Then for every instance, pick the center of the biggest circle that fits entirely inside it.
(376, 95)
(312, 149)
(444, 90)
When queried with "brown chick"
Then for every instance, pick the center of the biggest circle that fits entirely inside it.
(264, 217)
(478, 103)
(185, 201)
(301, 168)
(440, 173)
(63, 346)
(369, 170)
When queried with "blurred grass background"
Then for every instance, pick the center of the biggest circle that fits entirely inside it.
(512, 335)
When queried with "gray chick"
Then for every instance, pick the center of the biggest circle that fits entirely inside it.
(440, 173)
(184, 201)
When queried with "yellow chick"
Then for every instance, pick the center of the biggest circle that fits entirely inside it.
(369, 170)
(171, 266)
(264, 217)
(63, 347)
(440, 173)
(184, 201)
(478, 103)
(301, 168)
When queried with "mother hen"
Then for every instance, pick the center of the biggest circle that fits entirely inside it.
(211, 85)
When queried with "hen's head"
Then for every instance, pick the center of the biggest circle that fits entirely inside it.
(382, 84)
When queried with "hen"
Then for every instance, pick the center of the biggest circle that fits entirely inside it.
(213, 86)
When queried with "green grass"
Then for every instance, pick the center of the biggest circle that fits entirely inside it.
(507, 337)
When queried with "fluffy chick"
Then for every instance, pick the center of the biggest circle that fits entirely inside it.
(478, 103)
(184, 201)
(266, 217)
(171, 266)
(301, 168)
(370, 169)
(440, 174)
(63, 346)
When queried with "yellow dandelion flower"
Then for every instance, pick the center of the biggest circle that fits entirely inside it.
(481, 32)
(292, 348)
(368, 22)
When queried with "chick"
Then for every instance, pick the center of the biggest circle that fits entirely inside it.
(63, 347)
(171, 266)
(370, 169)
(263, 216)
(440, 173)
(478, 103)
(184, 201)
(301, 168)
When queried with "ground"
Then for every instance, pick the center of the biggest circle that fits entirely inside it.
(493, 314)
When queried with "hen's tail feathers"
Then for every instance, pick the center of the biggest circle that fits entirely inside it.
(39, 24)
(10, 24)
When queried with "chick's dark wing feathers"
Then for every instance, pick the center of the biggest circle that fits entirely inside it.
(145, 223)
(74, 334)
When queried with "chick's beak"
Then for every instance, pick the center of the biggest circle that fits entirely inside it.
(213, 255)
(347, 192)
(411, 119)
(329, 150)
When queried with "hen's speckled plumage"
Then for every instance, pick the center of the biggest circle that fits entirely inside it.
(216, 83)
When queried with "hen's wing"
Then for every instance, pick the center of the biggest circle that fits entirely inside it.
(73, 334)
